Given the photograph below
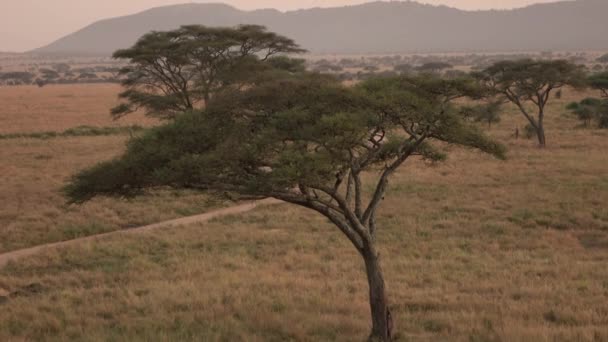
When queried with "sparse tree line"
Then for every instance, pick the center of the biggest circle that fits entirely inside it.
(60, 73)
(345, 69)
(364, 68)
(594, 111)
(243, 120)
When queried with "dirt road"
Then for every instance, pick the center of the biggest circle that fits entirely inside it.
(15, 255)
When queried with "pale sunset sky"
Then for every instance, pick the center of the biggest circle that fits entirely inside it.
(28, 24)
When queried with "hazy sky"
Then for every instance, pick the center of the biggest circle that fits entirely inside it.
(27, 24)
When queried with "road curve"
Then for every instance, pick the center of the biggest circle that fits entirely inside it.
(18, 254)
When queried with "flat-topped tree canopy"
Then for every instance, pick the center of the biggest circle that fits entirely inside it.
(270, 139)
(600, 82)
(531, 81)
(591, 109)
(171, 72)
(603, 58)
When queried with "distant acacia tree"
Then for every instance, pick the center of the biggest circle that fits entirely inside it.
(176, 71)
(600, 82)
(88, 76)
(589, 110)
(593, 109)
(488, 113)
(529, 81)
(292, 65)
(455, 73)
(17, 77)
(306, 140)
(603, 59)
(403, 69)
(434, 67)
(62, 68)
(49, 74)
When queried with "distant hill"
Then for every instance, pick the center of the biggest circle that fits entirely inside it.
(378, 27)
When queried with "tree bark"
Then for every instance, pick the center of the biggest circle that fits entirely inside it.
(382, 322)
(540, 131)
(542, 101)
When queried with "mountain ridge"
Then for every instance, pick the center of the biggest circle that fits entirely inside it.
(375, 27)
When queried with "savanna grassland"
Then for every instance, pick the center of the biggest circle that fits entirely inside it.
(32, 209)
(28, 109)
(473, 249)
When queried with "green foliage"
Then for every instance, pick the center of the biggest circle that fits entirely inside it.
(487, 113)
(434, 67)
(49, 74)
(531, 81)
(591, 109)
(523, 79)
(287, 133)
(62, 68)
(530, 131)
(603, 58)
(17, 77)
(600, 82)
(403, 69)
(292, 65)
(171, 72)
(79, 131)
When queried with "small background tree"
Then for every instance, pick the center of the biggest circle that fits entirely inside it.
(488, 114)
(404, 69)
(17, 77)
(529, 81)
(600, 82)
(177, 71)
(435, 67)
(593, 109)
(590, 110)
(603, 58)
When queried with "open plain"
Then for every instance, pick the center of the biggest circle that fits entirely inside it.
(474, 249)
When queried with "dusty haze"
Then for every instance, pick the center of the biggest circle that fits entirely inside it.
(27, 24)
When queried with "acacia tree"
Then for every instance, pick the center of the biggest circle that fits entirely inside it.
(600, 82)
(529, 81)
(171, 72)
(603, 58)
(17, 77)
(434, 67)
(305, 140)
(591, 109)
(487, 113)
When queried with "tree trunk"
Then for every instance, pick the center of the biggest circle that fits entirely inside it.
(382, 322)
(540, 130)
(206, 97)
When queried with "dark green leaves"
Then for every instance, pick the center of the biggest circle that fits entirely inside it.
(302, 130)
(590, 110)
(600, 82)
(531, 81)
(526, 78)
(176, 71)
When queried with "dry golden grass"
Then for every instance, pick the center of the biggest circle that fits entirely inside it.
(60, 107)
(32, 210)
(473, 249)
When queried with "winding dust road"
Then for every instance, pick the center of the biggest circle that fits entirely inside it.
(239, 209)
